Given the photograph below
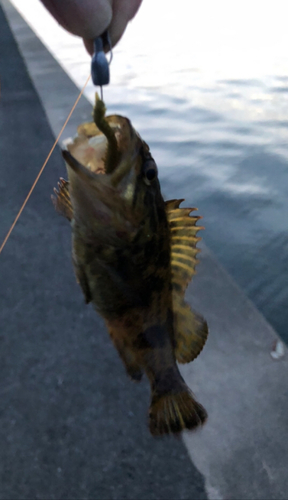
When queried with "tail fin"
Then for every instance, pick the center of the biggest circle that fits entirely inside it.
(174, 411)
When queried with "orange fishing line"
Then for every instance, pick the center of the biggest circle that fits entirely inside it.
(42, 168)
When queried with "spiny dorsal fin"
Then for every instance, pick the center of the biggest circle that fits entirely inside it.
(190, 330)
(184, 239)
(61, 200)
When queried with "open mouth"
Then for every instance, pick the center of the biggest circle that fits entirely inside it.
(102, 166)
(102, 145)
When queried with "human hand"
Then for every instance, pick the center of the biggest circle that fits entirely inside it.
(90, 18)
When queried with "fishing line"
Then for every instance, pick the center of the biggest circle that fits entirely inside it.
(43, 166)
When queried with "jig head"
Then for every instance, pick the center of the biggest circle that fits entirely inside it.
(99, 64)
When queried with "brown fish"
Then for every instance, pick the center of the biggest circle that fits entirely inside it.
(134, 255)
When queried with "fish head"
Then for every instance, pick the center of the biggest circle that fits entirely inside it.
(113, 179)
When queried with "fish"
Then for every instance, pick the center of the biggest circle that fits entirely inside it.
(134, 255)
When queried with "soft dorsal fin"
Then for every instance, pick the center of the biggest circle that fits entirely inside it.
(62, 201)
(184, 239)
(190, 329)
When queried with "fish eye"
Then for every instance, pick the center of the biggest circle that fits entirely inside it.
(150, 172)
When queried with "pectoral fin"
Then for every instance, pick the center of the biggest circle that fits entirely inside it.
(61, 200)
(190, 330)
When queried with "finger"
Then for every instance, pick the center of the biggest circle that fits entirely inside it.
(123, 12)
(85, 18)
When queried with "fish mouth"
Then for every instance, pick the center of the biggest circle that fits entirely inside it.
(103, 162)
(102, 184)
(99, 194)
(108, 151)
(104, 145)
(101, 166)
(117, 180)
